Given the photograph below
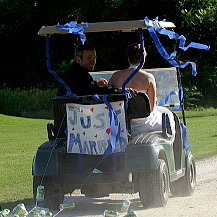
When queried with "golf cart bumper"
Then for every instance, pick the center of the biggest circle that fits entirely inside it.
(138, 157)
(51, 159)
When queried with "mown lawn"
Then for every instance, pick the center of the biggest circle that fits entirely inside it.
(20, 137)
(202, 132)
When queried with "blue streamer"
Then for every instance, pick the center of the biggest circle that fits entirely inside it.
(114, 136)
(185, 137)
(112, 114)
(181, 106)
(73, 28)
(164, 101)
(139, 66)
(172, 35)
(68, 91)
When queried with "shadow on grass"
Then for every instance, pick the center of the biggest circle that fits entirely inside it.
(10, 205)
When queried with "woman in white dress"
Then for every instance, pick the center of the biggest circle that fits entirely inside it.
(142, 82)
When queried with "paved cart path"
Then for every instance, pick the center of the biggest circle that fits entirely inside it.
(202, 203)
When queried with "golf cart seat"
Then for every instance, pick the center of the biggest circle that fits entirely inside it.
(138, 107)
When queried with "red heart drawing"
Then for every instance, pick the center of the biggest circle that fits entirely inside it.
(95, 136)
(73, 128)
(108, 131)
(91, 109)
(84, 133)
(120, 104)
(106, 107)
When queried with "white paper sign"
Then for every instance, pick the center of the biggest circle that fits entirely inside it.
(89, 130)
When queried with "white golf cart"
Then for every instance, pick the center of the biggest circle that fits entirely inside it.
(100, 163)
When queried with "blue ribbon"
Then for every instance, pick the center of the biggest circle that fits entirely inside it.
(185, 137)
(112, 115)
(73, 28)
(68, 91)
(140, 63)
(114, 137)
(164, 101)
(172, 35)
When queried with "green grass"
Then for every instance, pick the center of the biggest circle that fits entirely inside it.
(20, 137)
(34, 103)
(202, 132)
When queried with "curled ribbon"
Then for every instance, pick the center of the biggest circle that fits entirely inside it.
(73, 28)
(172, 35)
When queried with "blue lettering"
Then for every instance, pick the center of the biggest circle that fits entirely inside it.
(73, 118)
(88, 122)
(86, 149)
(93, 146)
(102, 145)
(73, 141)
(101, 120)
(123, 143)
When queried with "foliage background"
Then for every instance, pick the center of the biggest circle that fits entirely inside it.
(23, 62)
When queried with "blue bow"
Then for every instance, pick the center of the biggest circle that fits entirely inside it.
(73, 28)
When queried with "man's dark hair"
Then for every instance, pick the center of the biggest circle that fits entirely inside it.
(80, 49)
(134, 52)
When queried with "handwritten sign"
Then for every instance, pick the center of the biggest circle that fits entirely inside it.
(89, 130)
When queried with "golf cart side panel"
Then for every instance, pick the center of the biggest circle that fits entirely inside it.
(48, 152)
(142, 154)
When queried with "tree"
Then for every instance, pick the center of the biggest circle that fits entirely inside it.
(198, 22)
(23, 61)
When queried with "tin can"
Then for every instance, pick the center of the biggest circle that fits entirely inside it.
(131, 213)
(66, 206)
(49, 214)
(41, 212)
(109, 213)
(19, 210)
(4, 213)
(125, 206)
(40, 193)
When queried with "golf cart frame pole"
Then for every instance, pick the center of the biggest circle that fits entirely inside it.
(178, 74)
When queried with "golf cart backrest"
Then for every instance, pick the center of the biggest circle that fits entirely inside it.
(137, 107)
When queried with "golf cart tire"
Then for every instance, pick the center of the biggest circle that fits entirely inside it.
(52, 197)
(154, 186)
(185, 186)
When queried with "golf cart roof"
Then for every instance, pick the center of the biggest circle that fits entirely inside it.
(106, 26)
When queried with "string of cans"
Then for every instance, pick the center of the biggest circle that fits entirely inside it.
(21, 211)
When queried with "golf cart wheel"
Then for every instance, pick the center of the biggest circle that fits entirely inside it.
(154, 186)
(52, 197)
(185, 186)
